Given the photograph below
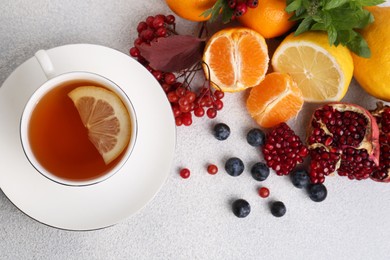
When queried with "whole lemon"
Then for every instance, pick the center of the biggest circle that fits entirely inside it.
(373, 74)
(191, 9)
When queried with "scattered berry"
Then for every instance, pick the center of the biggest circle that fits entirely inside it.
(212, 169)
(234, 166)
(300, 178)
(264, 192)
(185, 173)
(241, 208)
(255, 137)
(278, 209)
(260, 171)
(317, 192)
(221, 131)
(240, 9)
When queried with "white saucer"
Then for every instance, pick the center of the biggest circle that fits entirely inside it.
(106, 203)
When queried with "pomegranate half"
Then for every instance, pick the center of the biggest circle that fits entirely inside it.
(343, 138)
(382, 116)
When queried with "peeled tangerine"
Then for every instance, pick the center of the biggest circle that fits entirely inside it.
(275, 100)
(235, 59)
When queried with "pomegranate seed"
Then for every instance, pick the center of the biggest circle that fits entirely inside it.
(212, 169)
(185, 173)
(264, 192)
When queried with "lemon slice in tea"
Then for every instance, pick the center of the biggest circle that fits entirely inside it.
(106, 118)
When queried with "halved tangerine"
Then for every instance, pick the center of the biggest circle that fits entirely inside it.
(236, 59)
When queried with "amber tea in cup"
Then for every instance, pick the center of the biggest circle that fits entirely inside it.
(55, 139)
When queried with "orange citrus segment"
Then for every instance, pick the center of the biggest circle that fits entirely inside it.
(105, 116)
(269, 18)
(275, 100)
(236, 59)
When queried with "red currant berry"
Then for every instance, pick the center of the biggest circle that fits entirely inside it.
(147, 35)
(169, 78)
(160, 16)
(211, 113)
(183, 101)
(218, 104)
(178, 121)
(176, 110)
(187, 121)
(240, 9)
(134, 52)
(208, 102)
(158, 22)
(218, 94)
(158, 74)
(172, 96)
(185, 109)
(191, 96)
(252, 3)
(142, 26)
(177, 85)
(212, 169)
(138, 41)
(161, 32)
(149, 21)
(170, 19)
(166, 87)
(185, 173)
(264, 192)
(181, 91)
(199, 111)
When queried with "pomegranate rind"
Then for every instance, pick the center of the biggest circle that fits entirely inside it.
(369, 142)
(384, 168)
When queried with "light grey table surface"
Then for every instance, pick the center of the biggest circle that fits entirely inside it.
(190, 219)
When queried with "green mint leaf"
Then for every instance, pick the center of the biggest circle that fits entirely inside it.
(365, 19)
(334, 4)
(332, 35)
(227, 13)
(304, 25)
(370, 2)
(318, 27)
(216, 9)
(359, 46)
(207, 12)
(293, 5)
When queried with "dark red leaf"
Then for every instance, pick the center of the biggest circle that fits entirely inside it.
(174, 53)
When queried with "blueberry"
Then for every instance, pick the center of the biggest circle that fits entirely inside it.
(241, 208)
(234, 166)
(317, 192)
(260, 171)
(300, 178)
(255, 137)
(278, 209)
(221, 131)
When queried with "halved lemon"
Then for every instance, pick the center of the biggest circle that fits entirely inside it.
(321, 71)
(106, 118)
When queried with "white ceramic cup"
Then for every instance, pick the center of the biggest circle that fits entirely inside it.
(57, 80)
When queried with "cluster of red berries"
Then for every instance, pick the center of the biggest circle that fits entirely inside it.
(184, 101)
(241, 7)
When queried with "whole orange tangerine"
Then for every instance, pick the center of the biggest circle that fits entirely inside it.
(269, 18)
(191, 9)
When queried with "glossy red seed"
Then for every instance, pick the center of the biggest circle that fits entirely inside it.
(170, 19)
(149, 21)
(218, 104)
(162, 32)
(185, 173)
(142, 26)
(263, 192)
(199, 111)
(219, 94)
(169, 78)
(134, 52)
(211, 113)
(178, 121)
(212, 169)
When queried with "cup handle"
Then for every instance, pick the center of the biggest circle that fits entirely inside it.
(45, 62)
